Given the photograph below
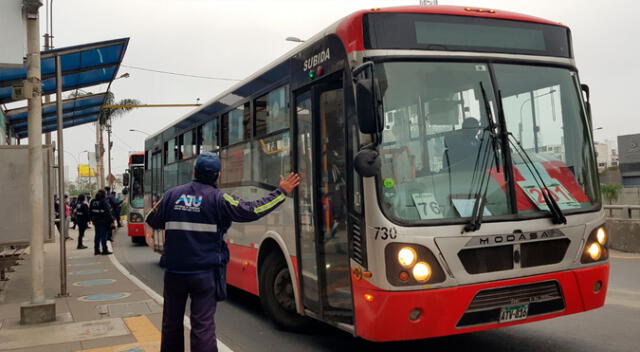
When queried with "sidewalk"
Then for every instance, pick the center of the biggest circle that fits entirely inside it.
(106, 310)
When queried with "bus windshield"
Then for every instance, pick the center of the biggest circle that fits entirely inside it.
(137, 187)
(439, 153)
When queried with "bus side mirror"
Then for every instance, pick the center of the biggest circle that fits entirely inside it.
(587, 103)
(125, 180)
(367, 162)
(368, 102)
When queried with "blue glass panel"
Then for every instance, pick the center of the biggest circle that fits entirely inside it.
(5, 92)
(48, 66)
(11, 73)
(106, 55)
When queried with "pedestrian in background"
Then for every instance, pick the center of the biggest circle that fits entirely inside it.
(57, 207)
(117, 208)
(72, 205)
(82, 219)
(113, 203)
(102, 218)
(195, 217)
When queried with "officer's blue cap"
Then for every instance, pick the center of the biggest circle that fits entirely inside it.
(207, 163)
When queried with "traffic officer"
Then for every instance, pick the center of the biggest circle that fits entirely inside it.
(195, 216)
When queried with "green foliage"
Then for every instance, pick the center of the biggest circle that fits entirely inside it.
(611, 192)
(107, 114)
(125, 208)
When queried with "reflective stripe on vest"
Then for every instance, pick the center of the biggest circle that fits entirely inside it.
(190, 226)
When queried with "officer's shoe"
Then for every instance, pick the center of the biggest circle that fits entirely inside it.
(107, 253)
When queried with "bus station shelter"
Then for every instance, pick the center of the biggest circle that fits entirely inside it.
(81, 66)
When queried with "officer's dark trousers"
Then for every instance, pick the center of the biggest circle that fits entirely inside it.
(201, 288)
(82, 227)
(100, 239)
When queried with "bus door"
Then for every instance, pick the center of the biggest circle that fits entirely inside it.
(156, 192)
(322, 202)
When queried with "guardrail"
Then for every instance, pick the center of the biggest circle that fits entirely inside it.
(623, 211)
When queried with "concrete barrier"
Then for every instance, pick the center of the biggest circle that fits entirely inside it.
(624, 234)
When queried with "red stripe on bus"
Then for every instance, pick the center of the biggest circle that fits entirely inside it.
(242, 268)
(386, 317)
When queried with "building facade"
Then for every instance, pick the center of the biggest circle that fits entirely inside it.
(629, 159)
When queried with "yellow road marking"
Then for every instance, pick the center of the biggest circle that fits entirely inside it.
(142, 329)
(145, 333)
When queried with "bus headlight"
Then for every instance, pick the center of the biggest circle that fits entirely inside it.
(407, 256)
(409, 264)
(422, 272)
(595, 251)
(595, 248)
(601, 235)
(135, 217)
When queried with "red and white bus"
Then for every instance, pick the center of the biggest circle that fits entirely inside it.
(134, 185)
(449, 181)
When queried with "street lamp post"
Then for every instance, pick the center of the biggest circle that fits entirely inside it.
(533, 114)
(294, 39)
(134, 130)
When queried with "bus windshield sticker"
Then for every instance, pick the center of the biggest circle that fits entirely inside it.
(556, 190)
(428, 207)
(465, 207)
(562, 196)
(389, 183)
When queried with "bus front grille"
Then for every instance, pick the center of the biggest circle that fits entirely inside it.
(541, 297)
(498, 258)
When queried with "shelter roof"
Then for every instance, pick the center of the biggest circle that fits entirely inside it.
(82, 66)
(75, 111)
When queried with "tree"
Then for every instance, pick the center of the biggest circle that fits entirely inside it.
(104, 120)
(106, 115)
(611, 192)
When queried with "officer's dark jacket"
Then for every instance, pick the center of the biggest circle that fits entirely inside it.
(82, 212)
(101, 212)
(195, 217)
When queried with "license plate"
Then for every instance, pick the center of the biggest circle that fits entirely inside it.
(513, 313)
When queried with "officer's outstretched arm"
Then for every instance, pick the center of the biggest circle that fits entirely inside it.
(239, 210)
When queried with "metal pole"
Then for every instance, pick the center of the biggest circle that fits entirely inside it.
(36, 182)
(533, 118)
(99, 153)
(109, 153)
(47, 99)
(63, 206)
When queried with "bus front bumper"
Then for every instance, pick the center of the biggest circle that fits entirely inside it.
(135, 229)
(387, 315)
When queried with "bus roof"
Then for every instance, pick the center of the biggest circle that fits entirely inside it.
(349, 30)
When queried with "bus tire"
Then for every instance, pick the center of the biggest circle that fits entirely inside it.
(276, 294)
(137, 240)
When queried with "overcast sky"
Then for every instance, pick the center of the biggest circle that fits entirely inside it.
(233, 39)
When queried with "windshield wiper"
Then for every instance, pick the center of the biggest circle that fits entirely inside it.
(557, 217)
(491, 127)
(480, 197)
(483, 185)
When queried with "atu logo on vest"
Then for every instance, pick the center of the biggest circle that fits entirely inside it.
(188, 202)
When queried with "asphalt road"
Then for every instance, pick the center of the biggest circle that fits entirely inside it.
(243, 326)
